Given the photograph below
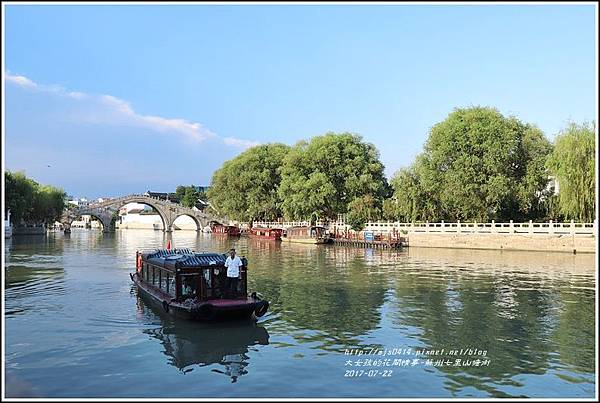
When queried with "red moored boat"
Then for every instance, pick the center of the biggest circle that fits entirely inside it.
(273, 234)
(230, 230)
(191, 285)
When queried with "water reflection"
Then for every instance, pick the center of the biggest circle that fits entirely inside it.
(188, 343)
(521, 317)
(335, 296)
(34, 271)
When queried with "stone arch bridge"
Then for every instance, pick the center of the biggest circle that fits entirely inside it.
(168, 211)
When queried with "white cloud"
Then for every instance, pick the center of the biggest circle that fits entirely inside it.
(110, 110)
(232, 141)
(76, 95)
(20, 80)
(125, 113)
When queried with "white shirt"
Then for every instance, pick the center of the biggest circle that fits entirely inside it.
(233, 266)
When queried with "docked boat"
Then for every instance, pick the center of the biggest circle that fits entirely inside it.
(307, 234)
(273, 234)
(191, 285)
(230, 230)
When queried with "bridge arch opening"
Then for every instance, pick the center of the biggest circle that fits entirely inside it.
(140, 214)
(87, 220)
(187, 222)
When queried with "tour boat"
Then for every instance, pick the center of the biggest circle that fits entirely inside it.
(230, 230)
(310, 235)
(191, 285)
(265, 233)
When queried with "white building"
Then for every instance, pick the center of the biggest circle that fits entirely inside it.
(87, 221)
(81, 202)
(553, 184)
(7, 226)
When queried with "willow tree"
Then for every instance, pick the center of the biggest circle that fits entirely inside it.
(574, 165)
(320, 178)
(245, 188)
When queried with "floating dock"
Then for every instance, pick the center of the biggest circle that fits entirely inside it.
(385, 244)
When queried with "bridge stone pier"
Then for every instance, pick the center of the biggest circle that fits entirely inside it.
(168, 211)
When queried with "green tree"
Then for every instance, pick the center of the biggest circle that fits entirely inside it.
(574, 165)
(476, 165)
(190, 197)
(320, 178)
(18, 195)
(245, 188)
(31, 202)
(389, 209)
(180, 191)
(361, 210)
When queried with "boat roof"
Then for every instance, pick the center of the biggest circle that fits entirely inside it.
(183, 258)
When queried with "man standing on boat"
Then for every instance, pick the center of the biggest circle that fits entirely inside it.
(233, 264)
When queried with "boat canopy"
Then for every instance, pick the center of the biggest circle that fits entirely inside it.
(183, 259)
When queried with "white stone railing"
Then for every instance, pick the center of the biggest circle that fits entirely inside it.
(285, 224)
(549, 228)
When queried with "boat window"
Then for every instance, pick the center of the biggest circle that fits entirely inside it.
(154, 275)
(170, 284)
(163, 280)
(206, 275)
(188, 286)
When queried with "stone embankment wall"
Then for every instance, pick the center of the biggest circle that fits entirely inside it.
(536, 242)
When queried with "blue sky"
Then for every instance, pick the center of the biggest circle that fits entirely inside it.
(123, 99)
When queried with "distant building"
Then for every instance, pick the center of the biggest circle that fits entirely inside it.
(200, 205)
(552, 188)
(553, 185)
(202, 188)
(7, 226)
(81, 202)
(86, 221)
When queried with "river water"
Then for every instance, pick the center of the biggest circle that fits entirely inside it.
(343, 322)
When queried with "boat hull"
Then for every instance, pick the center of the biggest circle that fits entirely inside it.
(205, 311)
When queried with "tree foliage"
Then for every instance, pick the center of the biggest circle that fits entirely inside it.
(477, 165)
(361, 210)
(320, 178)
(188, 196)
(31, 202)
(245, 188)
(573, 163)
